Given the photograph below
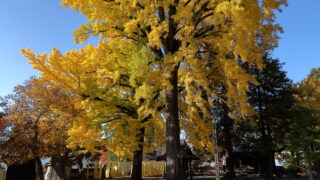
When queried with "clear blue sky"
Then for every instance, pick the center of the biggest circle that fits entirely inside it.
(299, 46)
(36, 24)
(42, 24)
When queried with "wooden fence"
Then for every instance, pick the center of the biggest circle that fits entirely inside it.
(115, 169)
(2, 174)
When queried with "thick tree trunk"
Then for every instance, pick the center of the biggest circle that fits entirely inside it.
(227, 126)
(39, 169)
(266, 139)
(171, 45)
(270, 164)
(58, 168)
(137, 165)
(137, 158)
(172, 129)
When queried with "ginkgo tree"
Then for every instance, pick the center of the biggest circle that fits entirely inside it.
(132, 125)
(113, 92)
(190, 40)
(308, 92)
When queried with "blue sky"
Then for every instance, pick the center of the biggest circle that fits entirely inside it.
(299, 46)
(42, 24)
(36, 24)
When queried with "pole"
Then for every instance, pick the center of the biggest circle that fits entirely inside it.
(216, 153)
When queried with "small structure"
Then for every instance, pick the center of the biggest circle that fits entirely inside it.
(251, 162)
(24, 171)
(186, 157)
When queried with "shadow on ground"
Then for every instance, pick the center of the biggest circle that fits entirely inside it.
(240, 178)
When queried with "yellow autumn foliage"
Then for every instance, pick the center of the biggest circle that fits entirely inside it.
(37, 115)
(143, 44)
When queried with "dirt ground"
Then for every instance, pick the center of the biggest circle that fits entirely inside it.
(240, 178)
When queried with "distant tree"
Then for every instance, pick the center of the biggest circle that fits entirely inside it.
(37, 117)
(303, 139)
(308, 91)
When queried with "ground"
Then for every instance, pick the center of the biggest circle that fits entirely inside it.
(242, 178)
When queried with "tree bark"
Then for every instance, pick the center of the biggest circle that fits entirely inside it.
(81, 170)
(39, 169)
(172, 129)
(228, 124)
(269, 151)
(216, 151)
(270, 160)
(58, 168)
(171, 45)
(266, 138)
(137, 157)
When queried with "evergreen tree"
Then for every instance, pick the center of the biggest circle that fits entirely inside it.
(302, 141)
(272, 99)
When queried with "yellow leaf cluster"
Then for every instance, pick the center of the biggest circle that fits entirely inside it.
(38, 115)
(144, 42)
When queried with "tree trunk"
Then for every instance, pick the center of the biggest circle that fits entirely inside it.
(172, 129)
(81, 170)
(39, 169)
(266, 139)
(228, 124)
(270, 164)
(216, 151)
(270, 153)
(137, 158)
(171, 45)
(58, 168)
